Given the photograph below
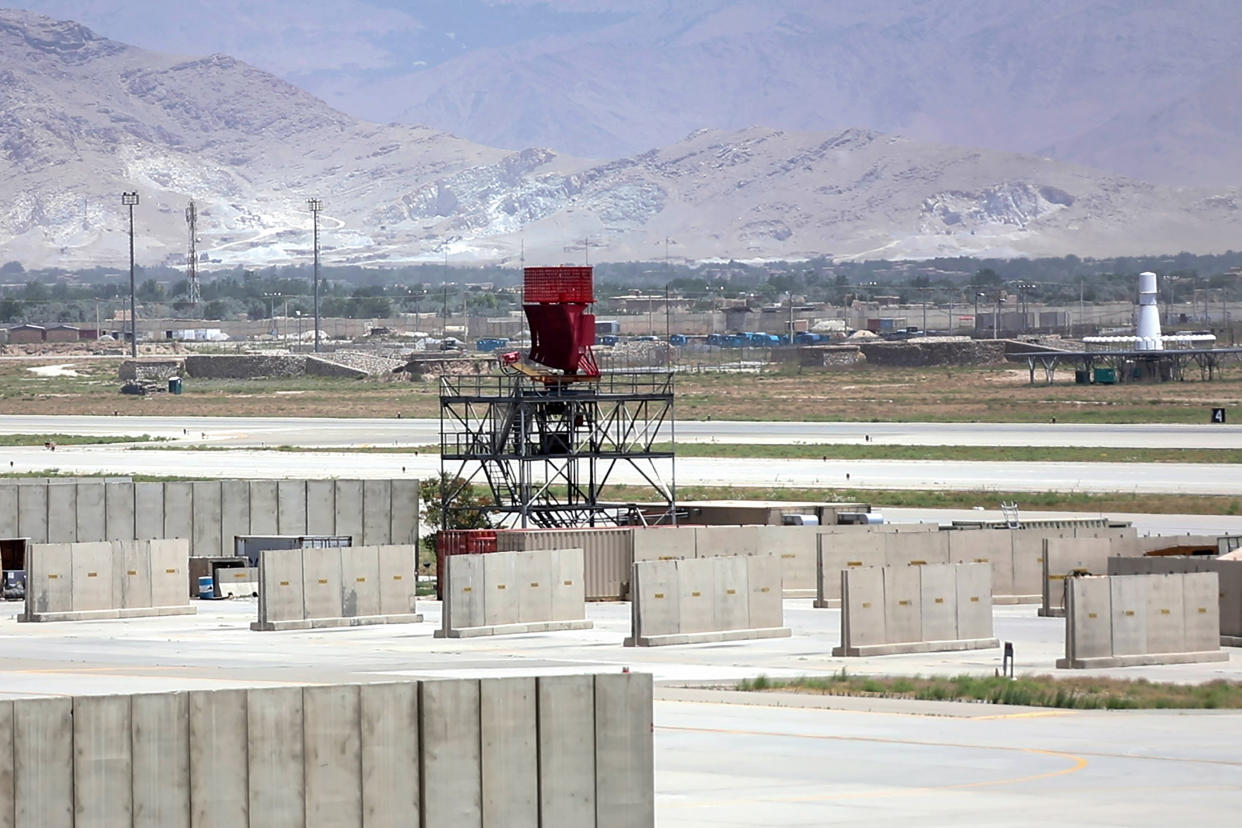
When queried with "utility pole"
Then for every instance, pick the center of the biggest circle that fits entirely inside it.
(1082, 308)
(191, 267)
(996, 317)
(129, 200)
(316, 206)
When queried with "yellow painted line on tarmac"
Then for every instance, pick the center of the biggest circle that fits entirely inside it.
(1079, 763)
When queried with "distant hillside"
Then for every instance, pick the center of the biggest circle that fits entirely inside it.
(1146, 88)
(83, 118)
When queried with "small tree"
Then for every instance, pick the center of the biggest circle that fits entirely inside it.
(466, 507)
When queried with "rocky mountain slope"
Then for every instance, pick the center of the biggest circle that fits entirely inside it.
(83, 118)
(1140, 87)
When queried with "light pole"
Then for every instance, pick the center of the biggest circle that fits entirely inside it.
(977, 296)
(1024, 290)
(271, 311)
(129, 200)
(315, 206)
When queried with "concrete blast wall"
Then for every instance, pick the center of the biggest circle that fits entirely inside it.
(1130, 620)
(514, 592)
(1068, 558)
(339, 586)
(547, 751)
(101, 580)
(1229, 579)
(209, 513)
(706, 599)
(915, 609)
(1015, 555)
(607, 554)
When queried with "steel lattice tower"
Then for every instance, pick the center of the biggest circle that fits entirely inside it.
(548, 435)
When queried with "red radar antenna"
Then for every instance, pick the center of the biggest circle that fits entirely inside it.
(555, 301)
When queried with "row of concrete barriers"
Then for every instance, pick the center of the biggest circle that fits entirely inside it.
(513, 752)
(710, 599)
(915, 609)
(1015, 554)
(1129, 620)
(209, 513)
(336, 587)
(118, 579)
(514, 592)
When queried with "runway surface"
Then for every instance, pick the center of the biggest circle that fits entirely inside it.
(1138, 478)
(329, 432)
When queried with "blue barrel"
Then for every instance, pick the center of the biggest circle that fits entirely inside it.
(206, 587)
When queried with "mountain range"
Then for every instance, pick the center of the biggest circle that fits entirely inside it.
(84, 118)
(1145, 88)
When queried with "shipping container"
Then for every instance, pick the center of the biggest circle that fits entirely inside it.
(460, 542)
(249, 546)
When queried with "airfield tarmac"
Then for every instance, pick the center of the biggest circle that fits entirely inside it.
(722, 759)
(727, 758)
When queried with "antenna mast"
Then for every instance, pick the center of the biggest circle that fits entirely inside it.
(191, 268)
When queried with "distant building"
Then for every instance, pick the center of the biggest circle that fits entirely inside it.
(62, 333)
(26, 334)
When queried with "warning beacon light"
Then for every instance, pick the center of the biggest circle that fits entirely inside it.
(555, 301)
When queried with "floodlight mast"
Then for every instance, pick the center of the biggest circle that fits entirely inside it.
(129, 199)
(316, 205)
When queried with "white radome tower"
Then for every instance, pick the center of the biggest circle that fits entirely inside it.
(1149, 336)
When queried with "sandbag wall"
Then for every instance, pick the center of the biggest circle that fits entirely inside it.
(1130, 620)
(1229, 584)
(548, 751)
(118, 579)
(915, 609)
(1067, 558)
(706, 599)
(514, 592)
(1015, 555)
(336, 586)
(209, 513)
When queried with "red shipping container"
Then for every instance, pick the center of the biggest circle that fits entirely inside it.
(460, 542)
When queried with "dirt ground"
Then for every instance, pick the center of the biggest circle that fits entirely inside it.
(89, 385)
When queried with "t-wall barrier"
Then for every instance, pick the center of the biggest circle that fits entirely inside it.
(1131, 620)
(209, 513)
(706, 599)
(336, 586)
(1228, 573)
(918, 608)
(549, 751)
(102, 580)
(514, 592)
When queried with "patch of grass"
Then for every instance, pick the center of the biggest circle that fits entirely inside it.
(420, 449)
(71, 439)
(1012, 454)
(1157, 504)
(1029, 691)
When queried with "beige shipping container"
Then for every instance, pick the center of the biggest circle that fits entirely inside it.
(608, 554)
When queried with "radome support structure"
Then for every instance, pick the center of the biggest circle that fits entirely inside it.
(547, 435)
